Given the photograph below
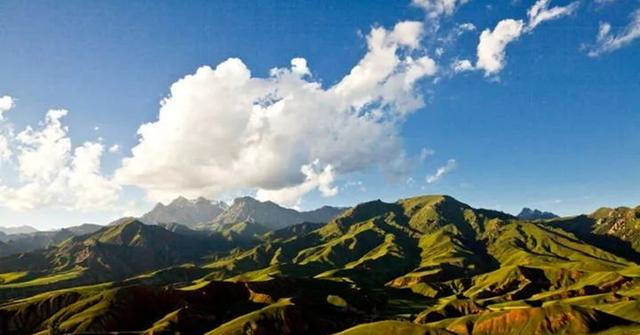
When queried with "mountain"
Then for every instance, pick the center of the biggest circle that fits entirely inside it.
(271, 215)
(111, 253)
(184, 211)
(18, 230)
(6, 249)
(614, 229)
(421, 265)
(535, 214)
(83, 229)
(25, 242)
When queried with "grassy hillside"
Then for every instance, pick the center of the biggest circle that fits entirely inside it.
(423, 265)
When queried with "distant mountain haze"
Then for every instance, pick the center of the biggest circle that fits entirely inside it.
(25, 242)
(18, 230)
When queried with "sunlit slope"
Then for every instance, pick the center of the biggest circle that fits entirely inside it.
(112, 253)
(431, 239)
(423, 265)
(371, 243)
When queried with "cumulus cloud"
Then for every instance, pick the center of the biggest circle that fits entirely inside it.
(608, 41)
(442, 171)
(6, 103)
(222, 129)
(491, 50)
(299, 66)
(438, 8)
(492, 45)
(51, 174)
(114, 148)
(315, 178)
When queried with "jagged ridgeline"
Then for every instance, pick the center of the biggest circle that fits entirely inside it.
(424, 265)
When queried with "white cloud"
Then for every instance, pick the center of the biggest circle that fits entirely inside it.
(541, 12)
(491, 51)
(466, 27)
(608, 42)
(222, 129)
(442, 171)
(492, 45)
(462, 65)
(299, 66)
(114, 148)
(315, 178)
(6, 103)
(51, 175)
(5, 150)
(438, 8)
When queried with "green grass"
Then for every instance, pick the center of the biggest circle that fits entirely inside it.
(9, 277)
(391, 328)
(237, 326)
(45, 280)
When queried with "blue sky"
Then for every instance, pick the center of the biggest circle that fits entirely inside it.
(554, 128)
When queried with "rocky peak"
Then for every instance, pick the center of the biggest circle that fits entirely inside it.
(535, 214)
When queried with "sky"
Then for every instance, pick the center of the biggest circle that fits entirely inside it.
(108, 107)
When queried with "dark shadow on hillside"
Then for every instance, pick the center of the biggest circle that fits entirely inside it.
(583, 227)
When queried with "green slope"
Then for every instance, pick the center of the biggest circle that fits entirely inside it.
(423, 265)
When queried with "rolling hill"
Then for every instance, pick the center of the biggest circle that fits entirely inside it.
(422, 265)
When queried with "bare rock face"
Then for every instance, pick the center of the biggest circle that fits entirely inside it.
(271, 215)
(185, 211)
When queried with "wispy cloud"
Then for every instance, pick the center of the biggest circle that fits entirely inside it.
(426, 153)
(608, 41)
(439, 8)
(491, 50)
(442, 171)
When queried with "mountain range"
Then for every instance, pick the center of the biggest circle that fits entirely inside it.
(205, 214)
(422, 265)
(184, 211)
(243, 221)
(17, 230)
